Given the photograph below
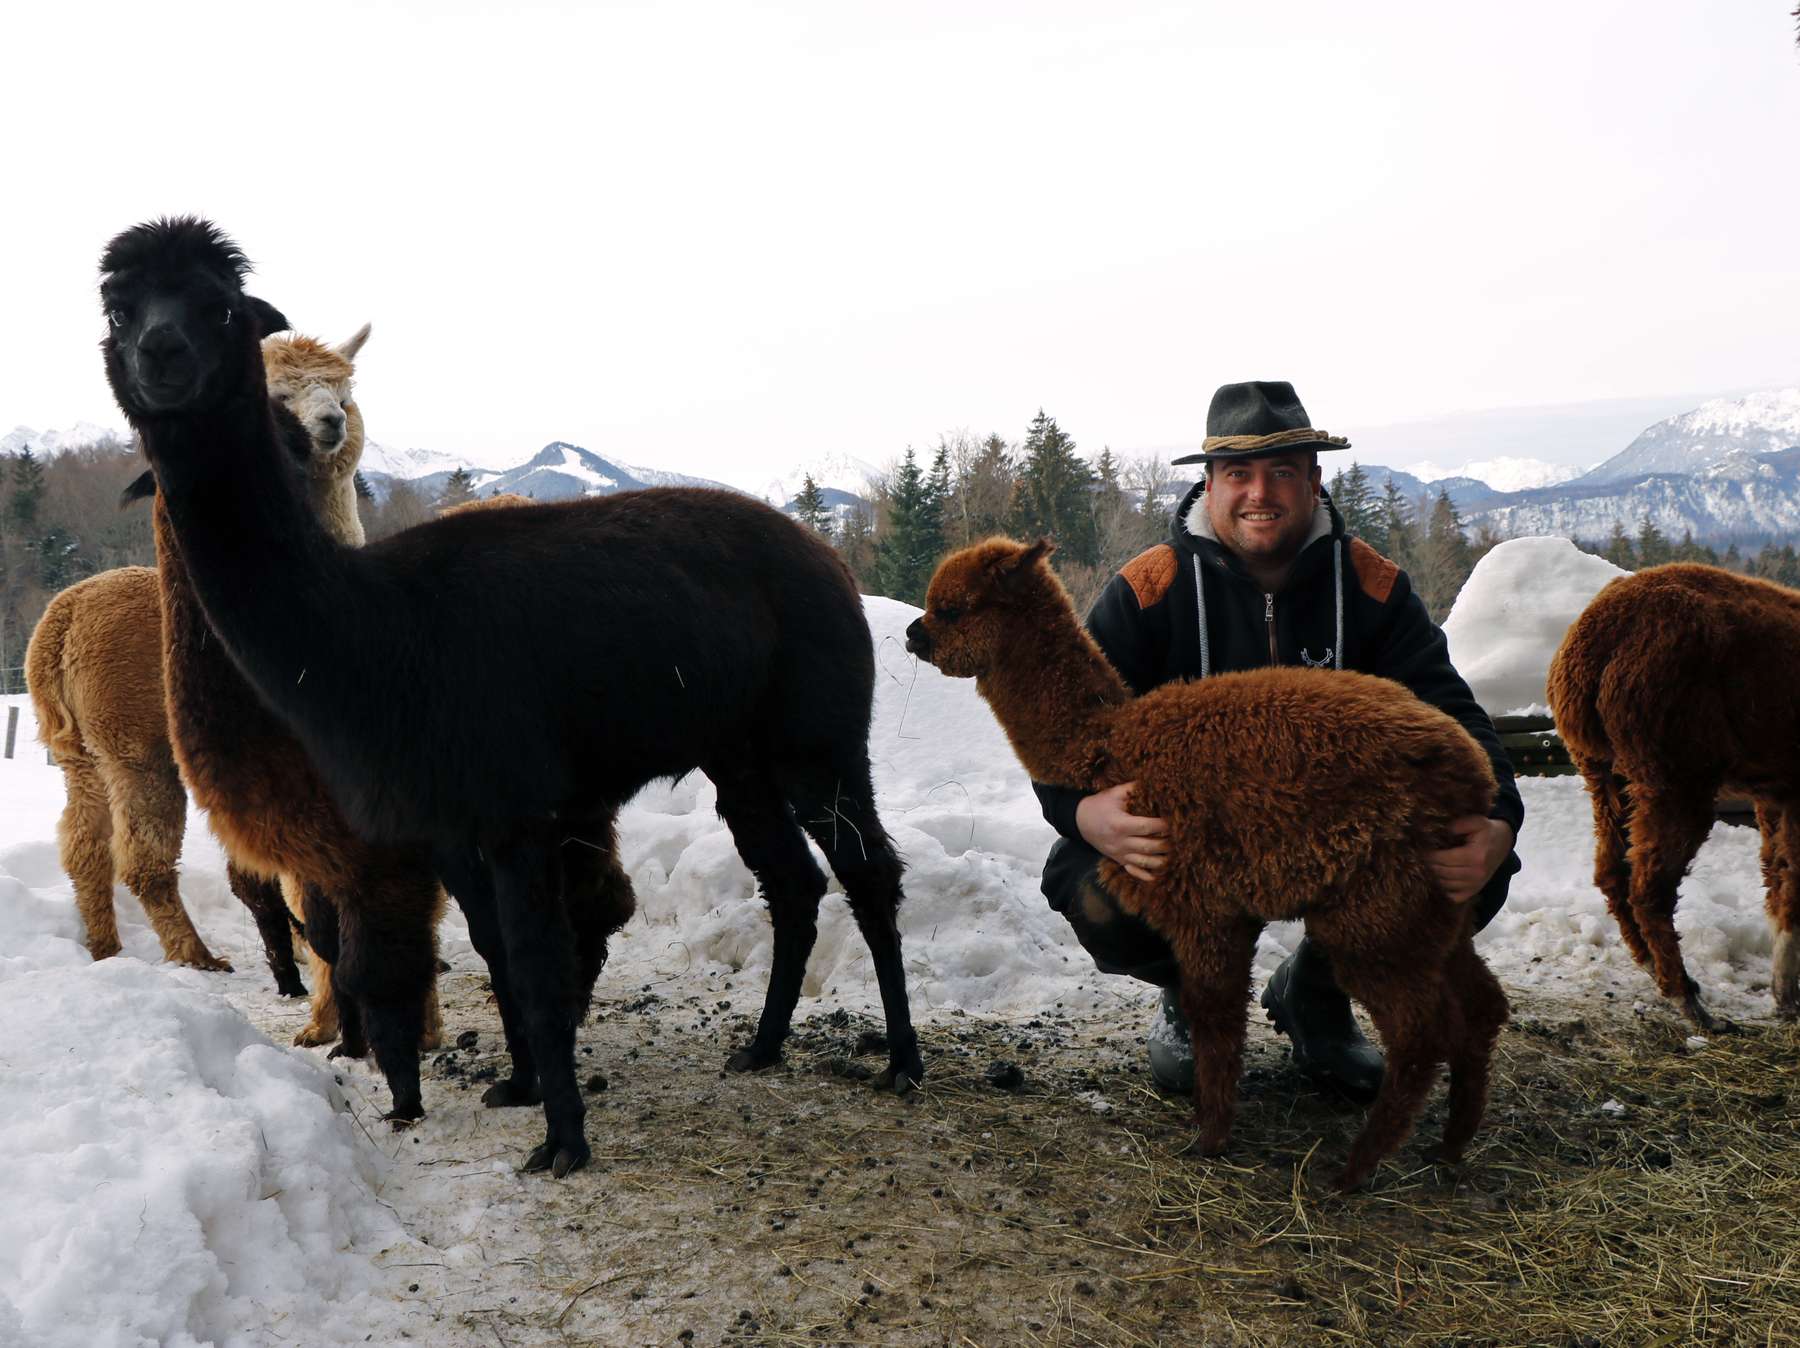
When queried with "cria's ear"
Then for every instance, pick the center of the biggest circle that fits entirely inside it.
(269, 319)
(143, 485)
(1009, 568)
(354, 343)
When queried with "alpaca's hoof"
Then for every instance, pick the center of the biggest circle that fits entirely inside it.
(899, 1080)
(210, 964)
(401, 1117)
(559, 1160)
(1210, 1137)
(511, 1092)
(431, 1041)
(290, 987)
(104, 950)
(1788, 1011)
(315, 1035)
(345, 1049)
(749, 1060)
(1443, 1155)
(1351, 1178)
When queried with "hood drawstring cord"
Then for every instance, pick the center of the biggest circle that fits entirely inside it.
(1337, 585)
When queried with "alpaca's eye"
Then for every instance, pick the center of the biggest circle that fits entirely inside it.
(946, 613)
(116, 317)
(225, 321)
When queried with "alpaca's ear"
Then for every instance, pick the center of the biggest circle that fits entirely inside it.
(269, 319)
(1038, 551)
(348, 349)
(144, 485)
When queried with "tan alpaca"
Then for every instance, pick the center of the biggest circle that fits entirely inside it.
(1290, 794)
(1671, 687)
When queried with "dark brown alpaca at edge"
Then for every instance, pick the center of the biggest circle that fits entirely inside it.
(1673, 685)
(1290, 794)
(489, 684)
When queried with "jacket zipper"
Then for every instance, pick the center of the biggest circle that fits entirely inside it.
(1269, 622)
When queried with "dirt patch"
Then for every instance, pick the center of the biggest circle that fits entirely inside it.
(1627, 1188)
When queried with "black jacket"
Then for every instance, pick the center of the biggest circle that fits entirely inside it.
(1344, 605)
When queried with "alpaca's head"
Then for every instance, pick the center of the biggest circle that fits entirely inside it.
(314, 382)
(182, 336)
(980, 600)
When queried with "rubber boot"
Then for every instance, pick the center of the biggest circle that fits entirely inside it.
(1305, 1004)
(1171, 1051)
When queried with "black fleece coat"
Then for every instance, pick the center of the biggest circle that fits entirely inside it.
(1344, 606)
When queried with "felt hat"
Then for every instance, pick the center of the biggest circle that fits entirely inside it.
(1257, 419)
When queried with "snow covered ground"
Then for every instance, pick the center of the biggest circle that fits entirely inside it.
(174, 1178)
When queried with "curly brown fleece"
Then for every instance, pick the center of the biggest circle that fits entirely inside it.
(1673, 685)
(1291, 794)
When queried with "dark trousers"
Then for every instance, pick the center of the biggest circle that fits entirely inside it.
(1123, 944)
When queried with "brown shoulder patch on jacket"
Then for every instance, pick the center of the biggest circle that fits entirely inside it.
(1374, 572)
(1150, 574)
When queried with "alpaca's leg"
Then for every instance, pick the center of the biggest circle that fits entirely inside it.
(1667, 828)
(84, 838)
(149, 819)
(318, 915)
(1215, 955)
(1781, 848)
(836, 805)
(1483, 1011)
(264, 900)
(600, 898)
(469, 883)
(540, 954)
(792, 884)
(385, 965)
(1612, 874)
(1415, 1020)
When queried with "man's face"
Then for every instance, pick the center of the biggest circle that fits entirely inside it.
(1262, 509)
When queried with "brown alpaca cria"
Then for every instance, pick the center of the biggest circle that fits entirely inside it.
(1672, 686)
(1291, 794)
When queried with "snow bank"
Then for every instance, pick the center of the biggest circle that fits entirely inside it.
(172, 1177)
(1511, 616)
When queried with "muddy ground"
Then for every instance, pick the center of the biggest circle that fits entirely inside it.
(1038, 1190)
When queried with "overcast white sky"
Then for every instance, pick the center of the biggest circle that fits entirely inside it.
(727, 239)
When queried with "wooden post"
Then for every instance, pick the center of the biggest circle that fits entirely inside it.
(12, 727)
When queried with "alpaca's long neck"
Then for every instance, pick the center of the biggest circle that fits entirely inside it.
(273, 584)
(1055, 695)
(334, 501)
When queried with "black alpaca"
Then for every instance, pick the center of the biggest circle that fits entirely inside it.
(495, 682)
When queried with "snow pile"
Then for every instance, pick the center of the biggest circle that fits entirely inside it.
(1511, 616)
(172, 1177)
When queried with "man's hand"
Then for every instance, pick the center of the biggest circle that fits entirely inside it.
(1462, 870)
(1137, 842)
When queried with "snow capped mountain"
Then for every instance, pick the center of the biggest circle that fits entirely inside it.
(45, 443)
(1502, 474)
(411, 463)
(842, 473)
(1759, 424)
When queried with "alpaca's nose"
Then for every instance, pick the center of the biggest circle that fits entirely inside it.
(164, 354)
(331, 427)
(918, 640)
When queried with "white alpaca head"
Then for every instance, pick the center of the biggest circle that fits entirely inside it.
(315, 381)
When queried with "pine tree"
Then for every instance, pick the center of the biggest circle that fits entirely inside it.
(1364, 517)
(59, 559)
(1445, 558)
(27, 482)
(1052, 494)
(1619, 550)
(855, 542)
(458, 488)
(908, 548)
(809, 507)
(982, 495)
(1652, 544)
(1397, 527)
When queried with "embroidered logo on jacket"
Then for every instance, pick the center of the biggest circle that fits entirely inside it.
(1323, 661)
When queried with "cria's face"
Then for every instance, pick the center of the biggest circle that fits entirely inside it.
(167, 341)
(958, 629)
